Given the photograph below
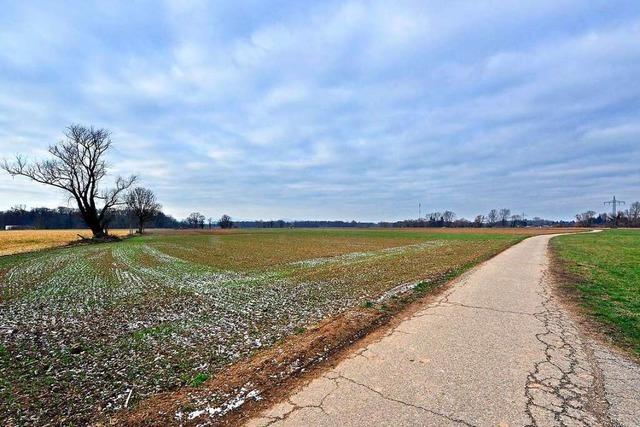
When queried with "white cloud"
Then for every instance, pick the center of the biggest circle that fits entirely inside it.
(351, 107)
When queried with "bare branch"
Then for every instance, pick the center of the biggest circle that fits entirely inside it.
(77, 166)
(141, 202)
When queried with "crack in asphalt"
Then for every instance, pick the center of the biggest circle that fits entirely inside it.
(444, 302)
(411, 405)
(296, 407)
(497, 310)
(565, 387)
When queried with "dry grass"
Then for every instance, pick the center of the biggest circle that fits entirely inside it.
(20, 241)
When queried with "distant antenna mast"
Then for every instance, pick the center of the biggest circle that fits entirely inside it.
(614, 203)
(419, 210)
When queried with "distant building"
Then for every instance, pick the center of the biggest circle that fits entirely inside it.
(19, 227)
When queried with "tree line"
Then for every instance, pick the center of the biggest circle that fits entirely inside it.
(281, 223)
(494, 218)
(65, 217)
(197, 220)
(625, 218)
(121, 218)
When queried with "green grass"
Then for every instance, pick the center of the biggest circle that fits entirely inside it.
(366, 304)
(422, 287)
(160, 331)
(198, 379)
(606, 271)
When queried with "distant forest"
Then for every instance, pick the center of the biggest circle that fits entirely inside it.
(302, 224)
(64, 217)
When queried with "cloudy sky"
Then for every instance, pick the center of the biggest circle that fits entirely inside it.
(334, 110)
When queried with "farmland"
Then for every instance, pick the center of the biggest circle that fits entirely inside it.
(604, 274)
(18, 241)
(88, 330)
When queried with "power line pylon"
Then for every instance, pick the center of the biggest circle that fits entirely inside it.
(614, 203)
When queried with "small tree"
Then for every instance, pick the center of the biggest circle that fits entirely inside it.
(479, 220)
(142, 204)
(78, 167)
(225, 222)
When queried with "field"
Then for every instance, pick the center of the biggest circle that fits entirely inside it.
(604, 269)
(87, 330)
(19, 241)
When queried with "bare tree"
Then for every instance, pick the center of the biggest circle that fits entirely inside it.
(196, 220)
(504, 214)
(634, 213)
(586, 219)
(142, 204)
(225, 222)
(479, 220)
(78, 167)
(492, 217)
(448, 216)
(435, 219)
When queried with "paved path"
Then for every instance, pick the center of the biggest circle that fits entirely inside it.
(495, 350)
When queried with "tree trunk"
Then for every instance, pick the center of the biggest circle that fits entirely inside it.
(98, 232)
(140, 223)
(94, 224)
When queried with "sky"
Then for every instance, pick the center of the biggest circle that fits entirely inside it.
(333, 110)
